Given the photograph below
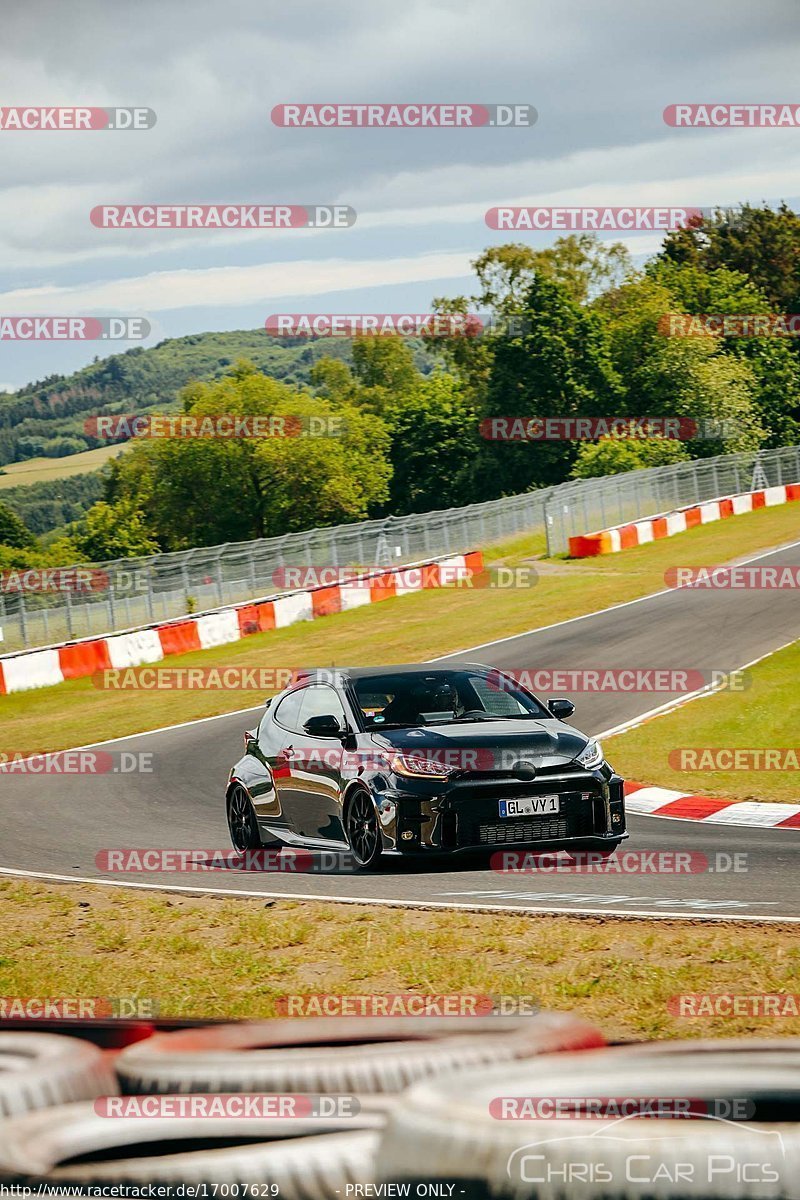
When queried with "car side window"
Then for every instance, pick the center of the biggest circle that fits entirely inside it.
(287, 713)
(320, 701)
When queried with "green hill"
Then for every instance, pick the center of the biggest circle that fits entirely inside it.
(46, 418)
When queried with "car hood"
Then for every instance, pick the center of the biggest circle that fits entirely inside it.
(545, 742)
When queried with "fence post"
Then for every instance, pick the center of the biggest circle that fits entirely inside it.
(547, 539)
(220, 587)
(68, 605)
(149, 594)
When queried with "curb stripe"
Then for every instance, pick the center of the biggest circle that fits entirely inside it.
(686, 806)
(151, 643)
(625, 537)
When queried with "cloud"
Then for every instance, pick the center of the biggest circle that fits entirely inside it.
(232, 286)
(600, 76)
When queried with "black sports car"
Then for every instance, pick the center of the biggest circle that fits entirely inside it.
(418, 760)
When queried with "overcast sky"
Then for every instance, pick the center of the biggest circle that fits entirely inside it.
(599, 72)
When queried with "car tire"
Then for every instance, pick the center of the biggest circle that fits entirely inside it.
(457, 1129)
(38, 1070)
(362, 1055)
(242, 823)
(306, 1158)
(363, 830)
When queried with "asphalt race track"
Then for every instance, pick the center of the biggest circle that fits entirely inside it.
(55, 825)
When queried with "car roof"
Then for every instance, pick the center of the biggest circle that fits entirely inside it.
(392, 669)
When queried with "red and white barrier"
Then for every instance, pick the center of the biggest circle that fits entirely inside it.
(638, 533)
(149, 644)
(685, 806)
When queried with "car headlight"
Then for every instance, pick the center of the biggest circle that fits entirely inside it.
(419, 768)
(591, 755)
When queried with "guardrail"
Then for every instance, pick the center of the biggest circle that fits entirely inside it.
(162, 587)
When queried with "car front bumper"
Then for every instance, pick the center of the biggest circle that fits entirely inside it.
(420, 817)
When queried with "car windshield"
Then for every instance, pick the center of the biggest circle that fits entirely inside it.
(407, 699)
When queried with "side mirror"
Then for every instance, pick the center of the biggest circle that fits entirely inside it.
(250, 738)
(561, 708)
(322, 727)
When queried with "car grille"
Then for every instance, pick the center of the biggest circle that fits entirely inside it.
(501, 832)
(478, 824)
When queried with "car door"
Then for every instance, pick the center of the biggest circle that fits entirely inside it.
(316, 769)
(278, 738)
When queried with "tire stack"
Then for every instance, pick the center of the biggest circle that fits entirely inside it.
(430, 1094)
(452, 1131)
(69, 1145)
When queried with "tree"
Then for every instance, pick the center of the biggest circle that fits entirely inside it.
(560, 366)
(111, 531)
(775, 364)
(613, 455)
(333, 380)
(13, 531)
(683, 377)
(580, 263)
(383, 367)
(203, 491)
(760, 242)
(434, 442)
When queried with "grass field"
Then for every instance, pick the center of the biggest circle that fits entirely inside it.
(207, 956)
(404, 629)
(764, 716)
(44, 470)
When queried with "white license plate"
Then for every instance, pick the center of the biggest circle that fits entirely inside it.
(530, 806)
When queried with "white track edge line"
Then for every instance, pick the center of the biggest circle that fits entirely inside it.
(506, 908)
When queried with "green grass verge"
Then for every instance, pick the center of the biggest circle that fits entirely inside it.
(763, 716)
(206, 956)
(403, 629)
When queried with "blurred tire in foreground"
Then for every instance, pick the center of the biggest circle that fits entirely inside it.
(298, 1158)
(633, 1122)
(38, 1070)
(341, 1054)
